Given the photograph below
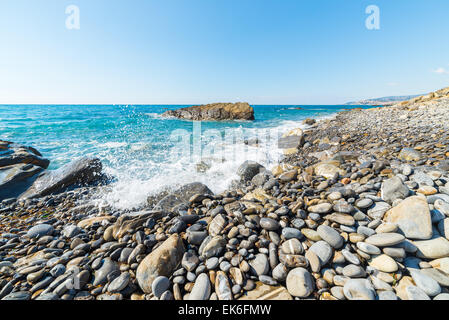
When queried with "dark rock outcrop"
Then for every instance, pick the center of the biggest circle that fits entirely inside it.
(12, 153)
(80, 172)
(19, 167)
(215, 111)
(16, 179)
(167, 200)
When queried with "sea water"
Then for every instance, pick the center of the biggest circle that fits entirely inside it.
(145, 152)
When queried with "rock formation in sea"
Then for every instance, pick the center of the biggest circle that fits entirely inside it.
(215, 111)
(23, 173)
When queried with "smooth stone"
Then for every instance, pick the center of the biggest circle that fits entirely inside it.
(393, 189)
(290, 233)
(280, 272)
(443, 228)
(331, 236)
(439, 276)
(18, 295)
(413, 217)
(385, 239)
(364, 203)
(422, 179)
(425, 283)
(108, 267)
(383, 263)
(397, 253)
(201, 289)
(292, 246)
(40, 230)
(354, 271)
(350, 257)
(190, 261)
(341, 218)
(266, 292)
(442, 206)
(71, 231)
(314, 261)
(260, 264)
(387, 295)
(378, 210)
(415, 293)
(323, 250)
(359, 289)
(367, 232)
(442, 296)
(300, 283)
(435, 248)
(212, 263)
(222, 286)
(441, 264)
(269, 224)
(160, 262)
(368, 248)
(160, 285)
(213, 248)
(321, 208)
(217, 224)
(311, 234)
(387, 228)
(119, 283)
(249, 169)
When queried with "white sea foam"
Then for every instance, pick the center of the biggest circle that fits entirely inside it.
(112, 145)
(143, 177)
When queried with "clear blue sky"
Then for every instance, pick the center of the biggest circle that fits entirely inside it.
(200, 51)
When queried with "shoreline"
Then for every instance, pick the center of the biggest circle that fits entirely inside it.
(330, 222)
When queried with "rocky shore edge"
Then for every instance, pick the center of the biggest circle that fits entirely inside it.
(357, 210)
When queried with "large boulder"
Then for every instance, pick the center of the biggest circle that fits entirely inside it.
(413, 217)
(80, 172)
(161, 262)
(249, 169)
(291, 141)
(169, 199)
(215, 111)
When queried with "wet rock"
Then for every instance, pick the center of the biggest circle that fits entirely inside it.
(107, 268)
(249, 169)
(160, 262)
(80, 172)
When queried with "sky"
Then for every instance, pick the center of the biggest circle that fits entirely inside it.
(204, 51)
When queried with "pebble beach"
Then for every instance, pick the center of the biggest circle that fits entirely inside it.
(357, 209)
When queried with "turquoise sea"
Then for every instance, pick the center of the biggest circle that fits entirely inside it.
(145, 152)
